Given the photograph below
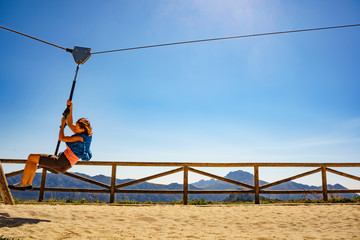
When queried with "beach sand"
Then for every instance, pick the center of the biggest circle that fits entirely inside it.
(313, 221)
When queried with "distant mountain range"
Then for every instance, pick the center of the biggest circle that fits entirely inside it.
(63, 181)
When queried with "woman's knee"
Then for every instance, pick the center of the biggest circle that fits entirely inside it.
(34, 158)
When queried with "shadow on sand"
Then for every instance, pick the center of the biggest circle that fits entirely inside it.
(7, 221)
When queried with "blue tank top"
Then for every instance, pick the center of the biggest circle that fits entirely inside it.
(81, 149)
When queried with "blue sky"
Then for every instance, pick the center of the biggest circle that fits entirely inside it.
(283, 98)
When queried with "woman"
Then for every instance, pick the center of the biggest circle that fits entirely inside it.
(77, 147)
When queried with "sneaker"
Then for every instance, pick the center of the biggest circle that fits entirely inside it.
(20, 187)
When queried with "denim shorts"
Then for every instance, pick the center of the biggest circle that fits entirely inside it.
(57, 163)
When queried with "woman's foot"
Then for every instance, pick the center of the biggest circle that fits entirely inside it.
(20, 187)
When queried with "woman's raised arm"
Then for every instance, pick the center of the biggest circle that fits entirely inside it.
(64, 138)
(70, 116)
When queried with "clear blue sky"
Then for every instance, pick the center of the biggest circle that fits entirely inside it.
(283, 98)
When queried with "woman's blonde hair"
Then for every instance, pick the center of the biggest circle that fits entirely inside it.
(85, 124)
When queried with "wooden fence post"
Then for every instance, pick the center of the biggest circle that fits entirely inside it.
(113, 179)
(185, 190)
(324, 183)
(256, 183)
(5, 191)
(42, 185)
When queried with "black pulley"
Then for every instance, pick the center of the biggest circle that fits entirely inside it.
(81, 54)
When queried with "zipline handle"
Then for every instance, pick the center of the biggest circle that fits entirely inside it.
(67, 110)
(80, 55)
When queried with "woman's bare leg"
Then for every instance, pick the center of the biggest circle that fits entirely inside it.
(30, 169)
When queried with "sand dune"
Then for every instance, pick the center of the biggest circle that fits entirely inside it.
(314, 221)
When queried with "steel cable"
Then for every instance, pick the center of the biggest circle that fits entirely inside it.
(34, 38)
(188, 42)
(225, 38)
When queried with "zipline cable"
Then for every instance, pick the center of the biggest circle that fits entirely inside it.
(188, 42)
(225, 38)
(66, 49)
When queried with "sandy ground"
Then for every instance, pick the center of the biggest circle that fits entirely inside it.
(312, 221)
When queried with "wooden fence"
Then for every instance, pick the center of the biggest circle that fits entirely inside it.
(187, 167)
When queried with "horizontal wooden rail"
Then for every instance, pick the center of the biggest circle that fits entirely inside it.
(89, 190)
(344, 191)
(82, 190)
(148, 191)
(221, 191)
(156, 191)
(189, 166)
(197, 164)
